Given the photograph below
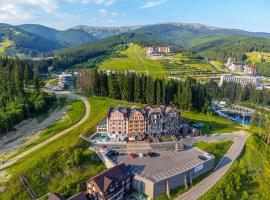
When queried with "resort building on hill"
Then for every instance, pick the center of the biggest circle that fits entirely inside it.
(137, 123)
(243, 80)
(249, 70)
(158, 49)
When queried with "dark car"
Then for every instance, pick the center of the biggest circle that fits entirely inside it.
(202, 157)
(153, 154)
(113, 153)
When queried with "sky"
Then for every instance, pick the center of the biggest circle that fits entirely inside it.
(251, 15)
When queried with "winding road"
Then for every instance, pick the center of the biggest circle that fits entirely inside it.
(222, 167)
(86, 115)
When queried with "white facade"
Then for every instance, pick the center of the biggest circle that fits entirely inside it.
(243, 80)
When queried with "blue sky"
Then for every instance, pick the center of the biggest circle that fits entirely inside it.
(252, 15)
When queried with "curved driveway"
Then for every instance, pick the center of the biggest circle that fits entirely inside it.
(222, 167)
(86, 115)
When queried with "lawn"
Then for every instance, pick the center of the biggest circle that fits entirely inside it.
(252, 57)
(212, 123)
(5, 44)
(249, 176)
(218, 149)
(62, 165)
(219, 64)
(202, 66)
(134, 59)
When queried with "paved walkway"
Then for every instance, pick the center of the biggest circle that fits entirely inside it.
(86, 115)
(222, 167)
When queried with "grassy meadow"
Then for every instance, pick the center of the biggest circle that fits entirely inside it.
(212, 123)
(134, 59)
(253, 58)
(5, 44)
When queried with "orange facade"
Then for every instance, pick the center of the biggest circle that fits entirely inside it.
(136, 123)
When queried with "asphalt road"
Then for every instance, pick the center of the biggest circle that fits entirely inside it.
(86, 115)
(222, 167)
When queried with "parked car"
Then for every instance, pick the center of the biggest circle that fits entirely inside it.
(132, 155)
(153, 154)
(207, 155)
(202, 157)
(113, 152)
(141, 155)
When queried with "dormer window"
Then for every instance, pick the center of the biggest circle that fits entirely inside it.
(111, 189)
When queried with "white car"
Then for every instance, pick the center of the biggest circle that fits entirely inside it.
(207, 155)
(141, 155)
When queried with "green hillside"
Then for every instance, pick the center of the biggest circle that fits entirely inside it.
(133, 59)
(69, 37)
(14, 41)
(249, 176)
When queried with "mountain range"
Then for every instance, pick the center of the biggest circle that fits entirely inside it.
(32, 39)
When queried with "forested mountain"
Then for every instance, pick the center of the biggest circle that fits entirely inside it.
(89, 54)
(29, 40)
(69, 37)
(221, 48)
(183, 34)
(14, 41)
(16, 103)
(211, 42)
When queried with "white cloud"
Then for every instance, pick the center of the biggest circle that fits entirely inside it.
(105, 2)
(103, 12)
(114, 14)
(47, 12)
(150, 4)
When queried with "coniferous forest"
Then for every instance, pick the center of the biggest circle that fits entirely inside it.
(187, 95)
(20, 94)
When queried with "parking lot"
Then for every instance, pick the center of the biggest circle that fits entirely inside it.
(167, 164)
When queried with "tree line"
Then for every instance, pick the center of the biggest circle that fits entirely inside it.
(20, 94)
(188, 95)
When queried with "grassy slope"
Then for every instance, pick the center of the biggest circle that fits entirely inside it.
(218, 149)
(5, 44)
(51, 168)
(249, 176)
(134, 59)
(254, 59)
(218, 125)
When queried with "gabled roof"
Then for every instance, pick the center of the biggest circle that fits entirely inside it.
(79, 196)
(116, 173)
(119, 109)
(135, 109)
(55, 196)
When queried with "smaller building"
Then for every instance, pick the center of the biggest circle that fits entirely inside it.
(66, 80)
(233, 67)
(250, 70)
(112, 184)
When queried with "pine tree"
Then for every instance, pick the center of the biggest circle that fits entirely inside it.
(36, 78)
